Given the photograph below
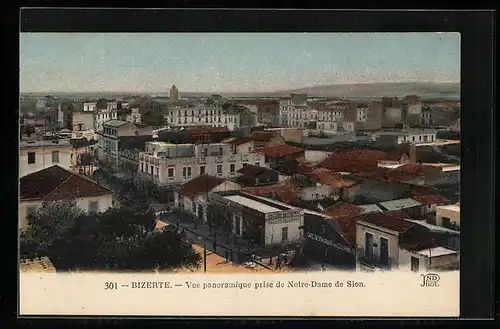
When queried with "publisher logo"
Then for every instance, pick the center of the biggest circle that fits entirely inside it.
(430, 280)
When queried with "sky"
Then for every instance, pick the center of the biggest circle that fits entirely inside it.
(231, 62)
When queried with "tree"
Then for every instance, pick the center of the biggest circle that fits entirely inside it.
(114, 240)
(166, 250)
(51, 220)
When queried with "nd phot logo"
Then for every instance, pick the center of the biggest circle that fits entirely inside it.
(430, 280)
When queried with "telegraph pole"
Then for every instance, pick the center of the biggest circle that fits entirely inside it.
(204, 257)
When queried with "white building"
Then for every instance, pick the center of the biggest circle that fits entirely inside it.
(89, 106)
(265, 221)
(211, 116)
(111, 105)
(417, 136)
(448, 216)
(134, 116)
(174, 164)
(362, 114)
(36, 155)
(57, 183)
(386, 241)
(102, 116)
(108, 139)
(192, 196)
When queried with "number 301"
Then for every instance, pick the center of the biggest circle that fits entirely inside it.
(110, 286)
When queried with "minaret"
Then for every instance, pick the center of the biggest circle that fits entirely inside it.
(174, 93)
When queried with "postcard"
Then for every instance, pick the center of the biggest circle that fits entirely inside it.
(239, 174)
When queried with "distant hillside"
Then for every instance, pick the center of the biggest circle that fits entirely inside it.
(380, 90)
(361, 90)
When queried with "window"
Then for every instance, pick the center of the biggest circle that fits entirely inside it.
(219, 169)
(202, 170)
(189, 171)
(284, 234)
(151, 167)
(30, 210)
(231, 167)
(244, 164)
(446, 222)
(93, 206)
(55, 156)
(142, 166)
(257, 164)
(31, 157)
(157, 171)
(205, 152)
(170, 172)
(413, 138)
(184, 171)
(220, 150)
(415, 262)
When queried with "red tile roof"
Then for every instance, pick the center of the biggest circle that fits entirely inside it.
(342, 209)
(392, 220)
(282, 192)
(263, 136)
(200, 184)
(280, 150)
(252, 171)
(431, 199)
(327, 177)
(354, 160)
(386, 176)
(56, 183)
(417, 169)
(417, 240)
(423, 190)
(348, 229)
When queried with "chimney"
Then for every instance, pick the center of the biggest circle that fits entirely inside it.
(413, 153)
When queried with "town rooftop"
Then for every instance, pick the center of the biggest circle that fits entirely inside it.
(256, 205)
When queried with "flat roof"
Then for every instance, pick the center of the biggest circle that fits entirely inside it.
(366, 208)
(436, 252)
(452, 207)
(400, 204)
(256, 205)
(432, 227)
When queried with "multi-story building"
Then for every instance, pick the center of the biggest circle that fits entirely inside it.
(36, 155)
(89, 106)
(104, 115)
(413, 135)
(202, 115)
(368, 116)
(387, 240)
(412, 113)
(108, 150)
(174, 164)
(134, 116)
(265, 222)
(83, 121)
(57, 183)
(289, 108)
(437, 114)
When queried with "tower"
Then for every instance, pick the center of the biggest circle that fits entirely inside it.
(174, 93)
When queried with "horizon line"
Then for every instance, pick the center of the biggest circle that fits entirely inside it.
(166, 90)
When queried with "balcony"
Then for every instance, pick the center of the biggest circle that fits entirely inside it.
(373, 261)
